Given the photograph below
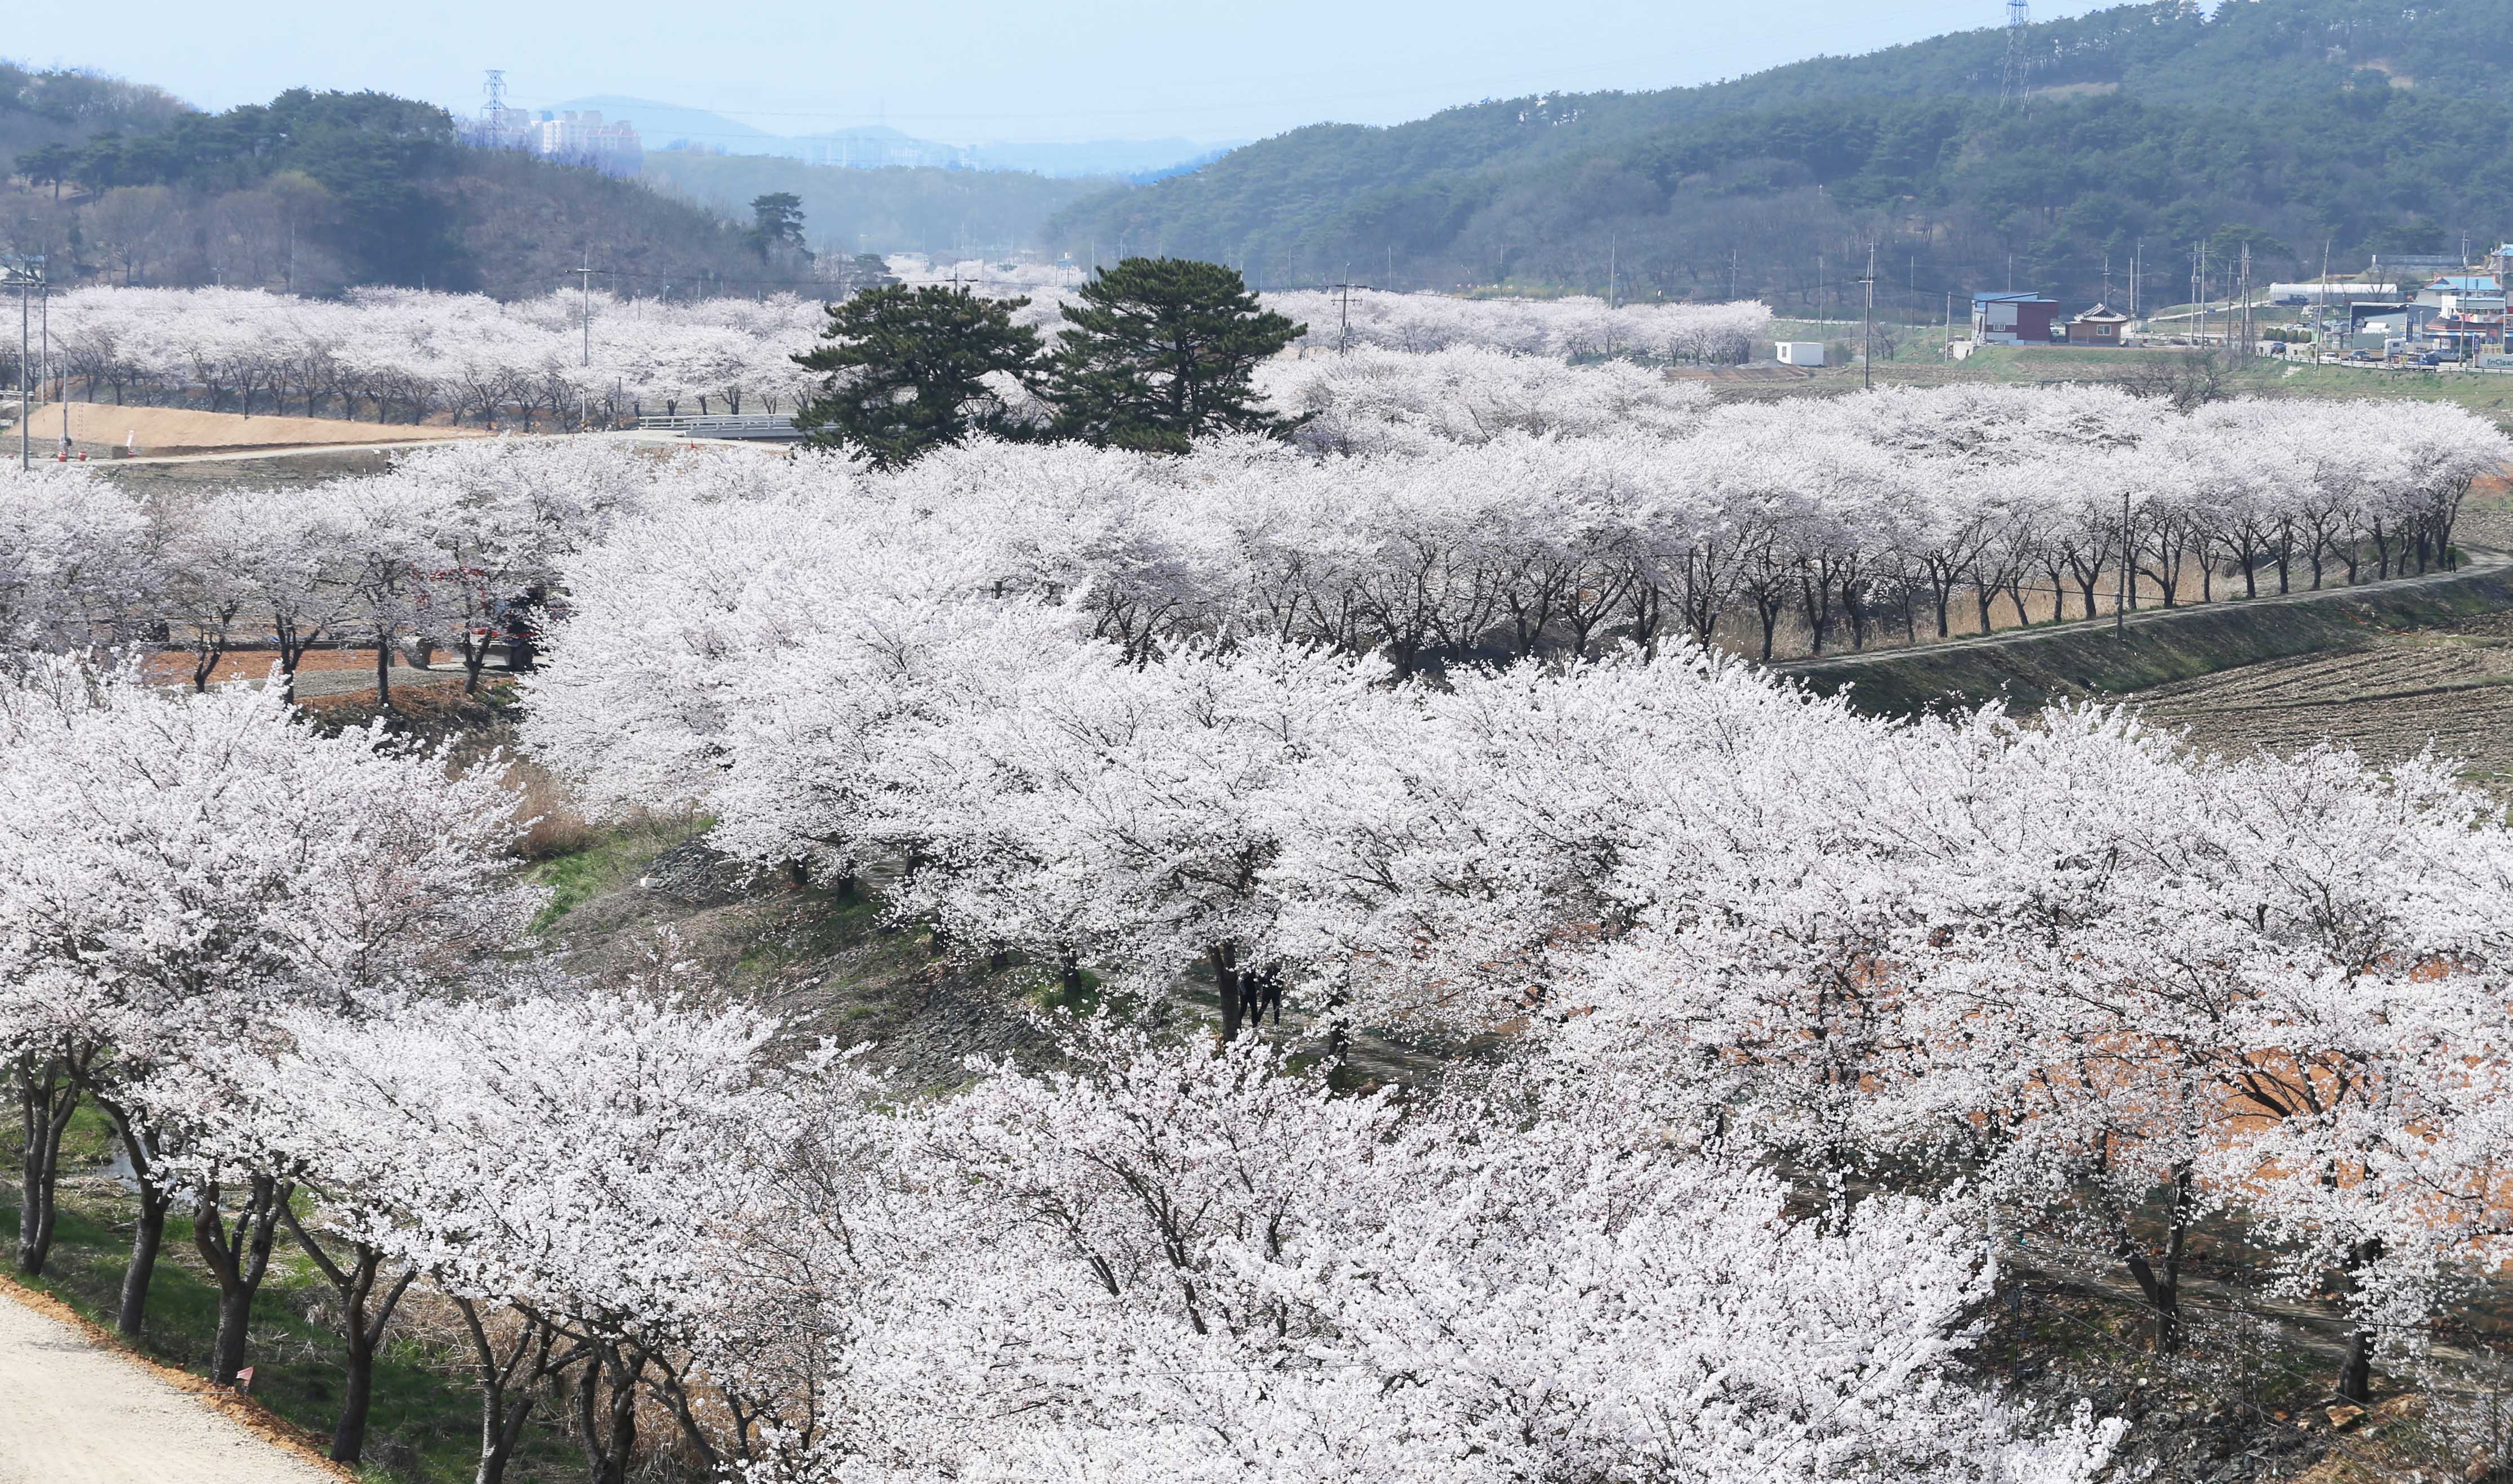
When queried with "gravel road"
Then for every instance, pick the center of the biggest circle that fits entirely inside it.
(73, 1412)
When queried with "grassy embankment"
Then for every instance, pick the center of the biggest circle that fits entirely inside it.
(2029, 669)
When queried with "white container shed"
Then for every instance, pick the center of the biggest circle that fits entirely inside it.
(1800, 352)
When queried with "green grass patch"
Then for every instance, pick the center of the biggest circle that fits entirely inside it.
(577, 876)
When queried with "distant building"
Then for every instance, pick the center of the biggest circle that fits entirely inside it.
(2320, 292)
(2101, 325)
(1799, 352)
(571, 137)
(2460, 295)
(584, 138)
(502, 128)
(2011, 319)
(2417, 264)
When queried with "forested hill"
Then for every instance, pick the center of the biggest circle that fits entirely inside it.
(2287, 123)
(318, 191)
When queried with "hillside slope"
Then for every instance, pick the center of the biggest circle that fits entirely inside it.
(2292, 121)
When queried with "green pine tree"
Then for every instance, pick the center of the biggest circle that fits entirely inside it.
(905, 371)
(777, 222)
(1160, 351)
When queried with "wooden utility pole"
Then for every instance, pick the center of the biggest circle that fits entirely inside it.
(584, 282)
(24, 274)
(1868, 326)
(2249, 338)
(2120, 604)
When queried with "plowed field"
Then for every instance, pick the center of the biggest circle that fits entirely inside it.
(2449, 689)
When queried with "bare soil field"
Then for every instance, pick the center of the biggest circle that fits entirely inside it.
(2451, 689)
(324, 674)
(101, 425)
(2388, 691)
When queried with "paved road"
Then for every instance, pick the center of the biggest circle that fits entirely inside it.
(73, 1412)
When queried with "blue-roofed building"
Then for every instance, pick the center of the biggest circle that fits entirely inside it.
(2465, 298)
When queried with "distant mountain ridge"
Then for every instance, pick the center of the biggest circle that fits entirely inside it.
(673, 125)
(2287, 123)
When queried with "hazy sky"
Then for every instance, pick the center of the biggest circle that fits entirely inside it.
(972, 70)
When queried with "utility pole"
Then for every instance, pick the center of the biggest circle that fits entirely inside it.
(61, 383)
(2321, 318)
(2246, 280)
(1612, 239)
(584, 283)
(1868, 326)
(1343, 321)
(2199, 289)
(2120, 604)
(23, 273)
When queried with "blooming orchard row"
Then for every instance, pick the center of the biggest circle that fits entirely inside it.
(1439, 507)
(405, 355)
(1897, 506)
(452, 550)
(1576, 328)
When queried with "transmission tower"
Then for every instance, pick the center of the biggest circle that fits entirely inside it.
(493, 90)
(2010, 85)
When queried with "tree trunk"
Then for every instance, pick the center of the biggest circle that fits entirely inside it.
(43, 1109)
(237, 1256)
(148, 1233)
(506, 1384)
(609, 1424)
(364, 1319)
(2164, 1297)
(1225, 984)
(226, 1350)
(146, 1238)
(2355, 1374)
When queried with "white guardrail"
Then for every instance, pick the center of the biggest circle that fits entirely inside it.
(724, 426)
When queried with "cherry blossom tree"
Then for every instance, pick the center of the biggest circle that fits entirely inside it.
(173, 871)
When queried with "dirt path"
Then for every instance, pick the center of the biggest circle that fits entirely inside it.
(73, 1412)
